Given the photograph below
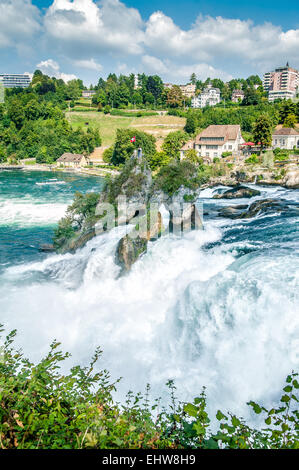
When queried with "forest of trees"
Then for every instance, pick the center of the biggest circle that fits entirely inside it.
(33, 124)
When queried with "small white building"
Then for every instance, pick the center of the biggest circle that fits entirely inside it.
(88, 93)
(237, 95)
(72, 160)
(215, 140)
(285, 138)
(210, 96)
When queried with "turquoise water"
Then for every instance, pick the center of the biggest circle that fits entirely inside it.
(31, 203)
(215, 308)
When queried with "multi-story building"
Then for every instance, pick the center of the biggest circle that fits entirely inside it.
(282, 83)
(215, 140)
(188, 90)
(15, 80)
(237, 95)
(210, 96)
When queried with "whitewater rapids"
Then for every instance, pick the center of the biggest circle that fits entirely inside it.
(216, 308)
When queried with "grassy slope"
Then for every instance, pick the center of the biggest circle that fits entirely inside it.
(159, 126)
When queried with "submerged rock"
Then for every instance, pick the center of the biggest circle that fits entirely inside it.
(257, 207)
(129, 250)
(47, 247)
(238, 192)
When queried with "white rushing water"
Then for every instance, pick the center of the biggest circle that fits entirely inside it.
(203, 317)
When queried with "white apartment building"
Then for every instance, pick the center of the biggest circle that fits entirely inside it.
(282, 83)
(210, 96)
(285, 138)
(215, 140)
(15, 80)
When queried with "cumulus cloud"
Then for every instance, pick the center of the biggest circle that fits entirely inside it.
(19, 22)
(182, 73)
(211, 39)
(52, 68)
(100, 36)
(154, 65)
(83, 27)
(90, 64)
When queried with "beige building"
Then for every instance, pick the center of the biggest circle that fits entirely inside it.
(285, 138)
(215, 140)
(282, 83)
(188, 90)
(72, 160)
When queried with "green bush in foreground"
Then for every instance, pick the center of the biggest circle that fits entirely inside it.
(42, 408)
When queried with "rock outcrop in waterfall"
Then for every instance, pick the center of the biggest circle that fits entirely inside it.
(135, 199)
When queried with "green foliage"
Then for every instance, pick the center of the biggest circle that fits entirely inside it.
(79, 216)
(171, 177)
(253, 159)
(173, 142)
(290, 121)
(42, 408)
(158, 160)
(32, 123)
(262, 131)
(124, 148)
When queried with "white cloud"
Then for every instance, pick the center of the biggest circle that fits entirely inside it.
(212, 39)
(91, 35)
(82, 27)
(154, 65)
(182, 73)
(90, 64)
(52, 68)
(19, 22)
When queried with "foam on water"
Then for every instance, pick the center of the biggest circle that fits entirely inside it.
(214, 308)
(27, 212)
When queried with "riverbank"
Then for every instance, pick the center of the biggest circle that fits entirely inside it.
(51, 168)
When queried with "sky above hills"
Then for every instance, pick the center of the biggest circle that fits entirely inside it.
(88, 39)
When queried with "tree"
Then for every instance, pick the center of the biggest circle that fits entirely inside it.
(175, 97)
(173, 142)
(193, 78)
(124, 148)
(191, 123)
(290, 121)
(262, 131)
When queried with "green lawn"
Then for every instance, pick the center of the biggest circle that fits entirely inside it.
(159, 126)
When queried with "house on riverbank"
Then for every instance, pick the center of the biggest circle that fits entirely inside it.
(285, 138)
(214, 140)
(72, 160)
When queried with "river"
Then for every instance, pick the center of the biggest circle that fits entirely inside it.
(215, 308)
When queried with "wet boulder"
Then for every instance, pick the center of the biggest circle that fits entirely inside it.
(238, 192)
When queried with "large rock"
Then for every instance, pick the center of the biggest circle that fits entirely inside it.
(257, 207)
(129, 250)
(184, 217)
(291, 179)
(238, 192)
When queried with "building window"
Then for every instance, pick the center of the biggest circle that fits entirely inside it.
(207, 154)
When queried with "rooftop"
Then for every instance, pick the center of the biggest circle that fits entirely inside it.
(286, 131)
(70, 157)
(228, 132)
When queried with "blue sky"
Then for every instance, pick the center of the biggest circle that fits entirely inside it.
(90, 38)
